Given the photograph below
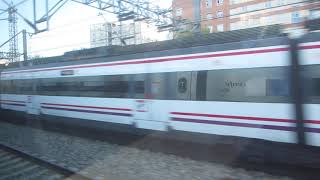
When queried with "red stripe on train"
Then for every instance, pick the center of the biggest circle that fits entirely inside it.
(90, 107)
(235, 117)
(310, 47)
(250, 118)
(12, 104)
(12, 101)
(161, 60)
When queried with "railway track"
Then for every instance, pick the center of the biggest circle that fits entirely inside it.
(18, 165)
(119, 156)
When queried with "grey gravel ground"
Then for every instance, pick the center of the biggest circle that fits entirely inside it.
(102, 160)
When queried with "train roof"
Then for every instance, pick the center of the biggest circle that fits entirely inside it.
(198, 43)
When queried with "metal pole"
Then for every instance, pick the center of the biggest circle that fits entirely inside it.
(296, 86)
(25, 53)
(197, 11)
(47, 13)
(34, 12)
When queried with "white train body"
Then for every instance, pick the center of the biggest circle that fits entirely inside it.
(263, 119)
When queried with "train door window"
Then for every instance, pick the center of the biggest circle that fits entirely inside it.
(117, 86)
(139, 84)
(200, 82)
(171, 85)
(158, 86)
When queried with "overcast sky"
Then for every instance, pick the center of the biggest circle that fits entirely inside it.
(69, 28)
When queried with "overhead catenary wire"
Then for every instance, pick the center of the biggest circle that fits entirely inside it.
(189, 22)
(185, 23)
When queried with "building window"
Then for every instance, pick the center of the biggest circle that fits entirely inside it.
(281, 2)
(219, 2)
(268, 4)
(220, 28)
(209, 3)
(314, 14)
(209, 16)
(219, 14)
(178, 11)
(295, 17)
(244, 8)
(210, 29)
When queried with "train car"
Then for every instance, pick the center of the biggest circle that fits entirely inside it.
(238, 89)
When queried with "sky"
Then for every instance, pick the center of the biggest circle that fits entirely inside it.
(69, 27)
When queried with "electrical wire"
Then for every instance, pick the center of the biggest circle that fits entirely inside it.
(192, 22)
(184, 23)
(189, 22)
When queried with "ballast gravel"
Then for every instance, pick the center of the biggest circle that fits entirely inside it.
(102, 160)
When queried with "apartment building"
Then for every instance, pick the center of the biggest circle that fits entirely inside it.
(106, 34)
(225, 15)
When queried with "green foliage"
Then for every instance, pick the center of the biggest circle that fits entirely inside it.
(205, 30)
(189, 33)
(184, 34)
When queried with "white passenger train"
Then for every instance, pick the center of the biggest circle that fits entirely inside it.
(231, 89)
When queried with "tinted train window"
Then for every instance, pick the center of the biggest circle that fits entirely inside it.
(315, 84)
(311, 83)
(117, 86)
(47, 86)
(251, 85)
(7, 87)
(92, 86)
(17, 86)
(24, 86)
(278, 87)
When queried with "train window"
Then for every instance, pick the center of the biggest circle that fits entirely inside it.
(24, 86)
(92, 86)
(315, 86)
(117, 86)
(278, 87)
(10, 87)
(247, 85)
(6, 87)
(47, 86)
(311, 83)
(69, 86)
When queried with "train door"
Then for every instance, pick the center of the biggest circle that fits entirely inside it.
(141, 104)
(152, 92)
(149, 89)
(32, 106)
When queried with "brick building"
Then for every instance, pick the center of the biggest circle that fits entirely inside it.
(225, 15)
